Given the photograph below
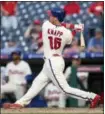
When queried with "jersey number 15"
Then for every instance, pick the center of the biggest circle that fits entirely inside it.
(55, 43)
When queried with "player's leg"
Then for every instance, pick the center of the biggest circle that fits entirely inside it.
(20, 91)
(62, 100)
(7, 88)
(59, 79)
(38, 84)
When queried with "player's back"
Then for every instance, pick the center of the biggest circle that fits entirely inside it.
(54, 39)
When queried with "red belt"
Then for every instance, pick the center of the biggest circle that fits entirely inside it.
(56, 55)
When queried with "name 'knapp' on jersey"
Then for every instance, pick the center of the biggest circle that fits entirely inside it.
(55, 38)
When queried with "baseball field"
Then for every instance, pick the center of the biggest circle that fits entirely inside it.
(53, 111)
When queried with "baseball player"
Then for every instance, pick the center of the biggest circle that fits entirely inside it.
(81, 77)
(16, 72)
(55, 37)
(54, 97)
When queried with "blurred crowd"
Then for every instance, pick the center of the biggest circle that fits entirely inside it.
(33, 36)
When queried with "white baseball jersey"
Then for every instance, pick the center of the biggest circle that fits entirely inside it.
(17, 73)
(55, 38)
(54, 96)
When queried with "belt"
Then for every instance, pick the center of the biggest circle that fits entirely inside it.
(56, 55)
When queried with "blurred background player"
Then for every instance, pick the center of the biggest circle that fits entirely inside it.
(16, 71)
(33, 35)
(81, 77)
(54, 97)
(10, 46)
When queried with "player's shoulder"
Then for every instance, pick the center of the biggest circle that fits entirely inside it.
(66, 30)
(46, 22)
(10, 63)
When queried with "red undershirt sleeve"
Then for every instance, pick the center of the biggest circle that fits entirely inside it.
(73, 33)
(71, 26)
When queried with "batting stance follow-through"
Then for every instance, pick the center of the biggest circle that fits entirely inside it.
(55, 37)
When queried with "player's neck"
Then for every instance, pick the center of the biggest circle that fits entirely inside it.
(16, 62)
(57, 23)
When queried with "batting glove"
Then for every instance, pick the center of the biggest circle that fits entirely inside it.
(79, 27)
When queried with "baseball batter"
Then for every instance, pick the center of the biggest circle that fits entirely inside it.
(16, 71)
(55, 37)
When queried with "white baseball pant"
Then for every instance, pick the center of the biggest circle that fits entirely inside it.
(53, 71)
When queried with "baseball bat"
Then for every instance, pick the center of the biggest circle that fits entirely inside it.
(82, 40)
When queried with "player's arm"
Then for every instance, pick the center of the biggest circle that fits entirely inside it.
(76, 27)
(73, 33)
(62, 100)
(28, 73)
(67, 72)
(27, 33)
(46, 93)
(27, 69)
(68, 25)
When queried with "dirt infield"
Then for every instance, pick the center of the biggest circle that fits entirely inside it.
(53, 111)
